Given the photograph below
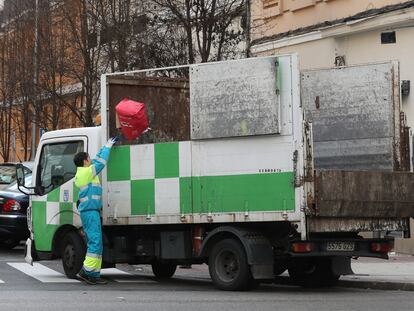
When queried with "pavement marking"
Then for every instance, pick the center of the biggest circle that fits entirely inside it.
(1, 282)
(123, 277)
(41, 273)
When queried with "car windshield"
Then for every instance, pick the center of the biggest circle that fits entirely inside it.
(7, 174)
(13, 186)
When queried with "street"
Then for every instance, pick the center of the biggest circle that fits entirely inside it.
(44, 287)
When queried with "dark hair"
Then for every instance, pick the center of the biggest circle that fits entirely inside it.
(79, 158)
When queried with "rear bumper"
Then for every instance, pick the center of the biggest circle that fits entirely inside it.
(14, 226)
(362, 248)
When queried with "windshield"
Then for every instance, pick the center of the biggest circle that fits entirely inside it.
(13, 186)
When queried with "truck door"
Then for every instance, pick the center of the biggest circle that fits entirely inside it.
(356, 116)
(361, 151)
(54, 177)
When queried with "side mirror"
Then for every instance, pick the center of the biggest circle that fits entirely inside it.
(20, 176)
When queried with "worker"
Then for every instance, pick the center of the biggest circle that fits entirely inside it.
(89, 207)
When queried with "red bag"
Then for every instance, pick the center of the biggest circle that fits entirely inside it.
(132, 118)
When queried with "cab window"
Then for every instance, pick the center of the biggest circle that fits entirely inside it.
(56, 164)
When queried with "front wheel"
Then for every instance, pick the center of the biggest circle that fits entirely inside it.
(73, 254)
(228, 266)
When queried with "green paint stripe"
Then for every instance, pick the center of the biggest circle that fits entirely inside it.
(43, 233)
(54, 196)
(119, 164)
(186, 197)
(66, 213)
(143, 197)
(166, 160)
(241, 193)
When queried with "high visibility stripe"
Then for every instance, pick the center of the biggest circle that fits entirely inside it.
(96, 197)
(92, 264)
(93, 170)
(103, 161)
(83, 199)
(96, 185)
(92, 255)
(83, 188)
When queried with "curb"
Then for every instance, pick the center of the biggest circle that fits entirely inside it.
(376, 285)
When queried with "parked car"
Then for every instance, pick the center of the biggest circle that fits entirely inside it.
(13, 209)
(8, 173)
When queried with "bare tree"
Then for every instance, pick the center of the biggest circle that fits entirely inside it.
(84, 63)
(209, 25)
(17, 84)
(7, 94)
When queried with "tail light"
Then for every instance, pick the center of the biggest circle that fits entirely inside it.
(302, 247)
(381, 247)
(11, 206)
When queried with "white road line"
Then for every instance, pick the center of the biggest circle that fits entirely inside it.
(41, 273)
(1, 282)
(123, 277)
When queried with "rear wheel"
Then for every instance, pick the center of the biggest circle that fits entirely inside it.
(315, 272)
(73, 254)
(163, 270)
(9, 243)
(228, 266)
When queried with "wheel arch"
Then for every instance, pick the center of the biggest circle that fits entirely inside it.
(257, 247)
(59, 236)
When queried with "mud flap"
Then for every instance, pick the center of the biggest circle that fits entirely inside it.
(341, 266)
(28, 252)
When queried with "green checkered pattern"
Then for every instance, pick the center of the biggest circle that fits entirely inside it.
(157, 180)
(150, 178)
(50, 211)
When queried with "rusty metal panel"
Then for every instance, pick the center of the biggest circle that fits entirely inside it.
(167, 101)
(364, 194)
(235, 98)
(352, 113)
(332, 224)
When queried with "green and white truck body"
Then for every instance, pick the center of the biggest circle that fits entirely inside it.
(226, 172)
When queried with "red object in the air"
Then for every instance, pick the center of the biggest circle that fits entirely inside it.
(132, 118)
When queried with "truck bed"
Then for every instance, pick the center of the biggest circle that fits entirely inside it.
(365, 199)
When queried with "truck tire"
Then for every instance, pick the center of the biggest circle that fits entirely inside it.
(163, 270)
(314, 272)
(73, 254)
(228, 266)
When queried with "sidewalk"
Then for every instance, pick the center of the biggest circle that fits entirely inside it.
(397, 273)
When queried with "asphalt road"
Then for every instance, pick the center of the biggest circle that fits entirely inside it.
(44, 287)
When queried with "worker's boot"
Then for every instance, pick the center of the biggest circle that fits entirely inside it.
(86, 278)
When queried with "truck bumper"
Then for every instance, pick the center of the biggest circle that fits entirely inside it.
(377, 248)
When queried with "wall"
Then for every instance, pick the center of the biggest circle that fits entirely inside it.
(270, 17)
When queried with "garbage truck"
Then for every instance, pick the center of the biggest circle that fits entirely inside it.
(250, 166)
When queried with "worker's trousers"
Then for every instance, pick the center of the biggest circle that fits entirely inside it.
(91, 222)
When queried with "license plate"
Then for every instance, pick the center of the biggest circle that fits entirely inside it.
(340, 246)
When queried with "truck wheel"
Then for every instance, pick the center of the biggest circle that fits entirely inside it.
(313, 273)
(163, 270)
(73, 254)
(228, 266)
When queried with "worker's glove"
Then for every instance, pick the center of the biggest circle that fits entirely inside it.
(111, 141)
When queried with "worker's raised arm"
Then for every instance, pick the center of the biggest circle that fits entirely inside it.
(99, 162)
